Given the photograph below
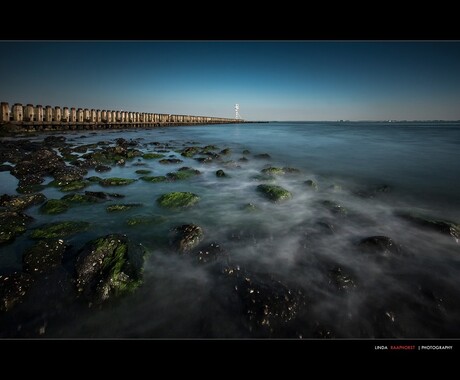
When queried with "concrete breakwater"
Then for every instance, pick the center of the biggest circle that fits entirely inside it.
(35, 118)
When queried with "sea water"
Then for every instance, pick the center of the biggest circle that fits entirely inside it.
(415, 294)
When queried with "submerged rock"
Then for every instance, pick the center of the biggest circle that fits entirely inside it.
(445, 227)
(250, 207)
(289, 170)
(137, 220)
(109, 266)
(183, 173)
(80, 198)
(178, 200)
(152, 156)
(13, 288)
(274, 193)
(12, 224)
(186, 237)
(167, 161)
(59, 230)
(246, 151)
(102, 195)
(143, 171)
(334, 207)
(273, 171)
(54, 206)
(225, 151)
(189, 151)
(262, 156)
(373, 191)
(311, 184)
(122, 207)
(102, 168)
(379, 244)
(21, 202)
(116, 181)
(68, 174)
(160, 178)
(341, 280)
(43, 257)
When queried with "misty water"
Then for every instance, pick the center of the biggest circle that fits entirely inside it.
(373, 171)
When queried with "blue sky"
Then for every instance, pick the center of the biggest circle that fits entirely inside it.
(271, 80)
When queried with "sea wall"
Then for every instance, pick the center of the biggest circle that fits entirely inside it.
(38, 117)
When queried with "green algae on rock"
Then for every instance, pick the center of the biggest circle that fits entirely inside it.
(12, 224)
(114, 181)
(274, 193)
(108, 267)
(311, 184)
(147, 178)
(59, 230)
(152, 156)
(273, 171)
(122, 207)
(183, 173)
(178, 199)
(21, 202)
(54, 206)
(137, 220)
(143, 171)
(186, 237)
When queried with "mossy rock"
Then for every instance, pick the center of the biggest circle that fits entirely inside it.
(21, 202)
(152, 156)
(168, 161)
(94, 179)
(143, 171)
(289, 170)
(246, 152)
(114, 181)
(189, 151)
(264, 178)
(12, 224)
(154, 179)
(209, 148)
(43, 257)
(273, 171)
(262, 156)
(81, 198)
(140, 220)
(220, 174)
(225, 151)
(122, 207)
(182, 174)
(176, 200)
(311, 184)
(59, 230)
(30, 189)
(251, 207)
(54, 206)
(108, 267)
(274, 193)
(73, 186)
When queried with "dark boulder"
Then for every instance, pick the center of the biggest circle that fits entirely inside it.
(186, 237)
(379, 245)
(43, 257)
(12, 224)
(21, 202)
(13, 288)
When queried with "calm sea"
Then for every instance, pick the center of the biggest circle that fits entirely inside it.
(415, 294)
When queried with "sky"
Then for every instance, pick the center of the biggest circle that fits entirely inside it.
(270, 80)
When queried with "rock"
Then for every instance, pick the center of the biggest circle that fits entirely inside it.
(273, 171)
(59, 230)
(209, 253)
(160, 178)
(81, 198)
(341, 280)
(12, 224)
(103, 196)
(225, 151)
(54, 206)
(6, 168)
(263, 178)
(43, 162)
(267, 303)
(189, 151)
(334, 207)
(152, 156)
(108, 267)
(379, 245)
(167, 161)
(143, 171)
(274, 193)
(186, 237)
(178, 200)
(43, 257)
(373, 191)
(21, 202)
(220, 173)
(31, 179)
(209, 148)
(263, 156)
(54, 141)
(335, 188)
(116, 181)
(68, 174)
(204, 160)
(137, 220)
(442, 226)
(94, 179)
(183, 173)
(102, 168)
(13, 288)
(73, 186)
(245, 152)
(243, 159)
(289, 170)
(122, 207)
(250, 207)
(311, 184)
(30, 189)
